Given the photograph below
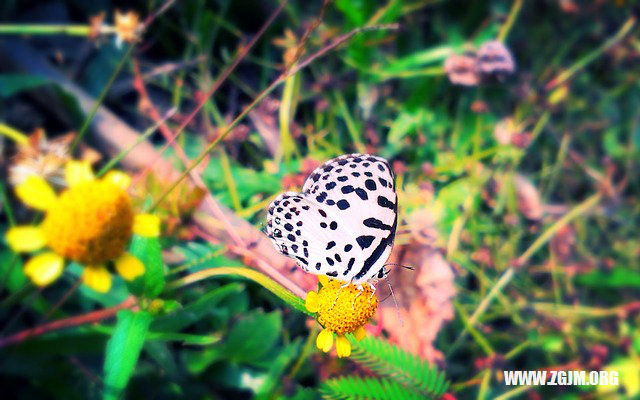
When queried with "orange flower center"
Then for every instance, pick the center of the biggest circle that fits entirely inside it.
(344, 309)
(90, 223)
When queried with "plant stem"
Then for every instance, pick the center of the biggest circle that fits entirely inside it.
(116, 159)
(38, 29)
(77, 320)
(263, 280)
(508, 24)
(589, 58)
(103, 94)
(520, 261)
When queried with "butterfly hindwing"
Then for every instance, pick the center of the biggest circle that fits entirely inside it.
(303, 231)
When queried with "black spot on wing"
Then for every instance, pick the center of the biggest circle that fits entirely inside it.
(376, 223)
(364, 241)
(384, 202)
(349, 266)
(370, 184)
(346, 189)
(375, 255)
(348, 248)
(330, 245)
(302, 260)
(332, 274)
(362, 193)
(343, 204)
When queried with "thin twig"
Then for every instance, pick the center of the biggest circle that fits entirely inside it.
(89, 318)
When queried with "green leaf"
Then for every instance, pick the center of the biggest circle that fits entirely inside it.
(278, 366)
(123, 350)
(148, 251)
(250, 340)
(253, 336)
(618, 277)
(11, 84)
(416, 60)
(11, 273)
(196, 310)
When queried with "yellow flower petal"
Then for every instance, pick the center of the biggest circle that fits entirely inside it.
(343, 347)
(323, 280)
(312, 302)
(25, 238)
(36, 192)
(76, 172)
(147, 225)
(118, 178)
(129, 267)
(360, 333)
(324, 341)
(97, 278)
(44, 268)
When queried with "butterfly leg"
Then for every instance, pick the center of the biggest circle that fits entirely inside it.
(338, 294)
(361, 289)
(373, 290)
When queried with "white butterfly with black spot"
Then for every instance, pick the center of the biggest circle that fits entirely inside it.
(343, 223)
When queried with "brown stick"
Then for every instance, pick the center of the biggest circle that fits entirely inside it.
(77, 320)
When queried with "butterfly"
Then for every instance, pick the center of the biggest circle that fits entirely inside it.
(343, 224)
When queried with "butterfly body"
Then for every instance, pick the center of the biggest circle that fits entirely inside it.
(343, 223)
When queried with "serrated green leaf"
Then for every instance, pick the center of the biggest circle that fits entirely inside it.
(403, 367)
(123, 350)
(355, 388)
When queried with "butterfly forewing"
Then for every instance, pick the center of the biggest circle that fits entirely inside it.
(348, 223)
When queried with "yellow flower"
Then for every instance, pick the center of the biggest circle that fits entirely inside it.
(341, 309)
(91, 223)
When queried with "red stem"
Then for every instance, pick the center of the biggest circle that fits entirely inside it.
(89, 318)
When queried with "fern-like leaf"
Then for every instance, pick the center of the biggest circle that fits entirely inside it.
(355, 388)
(391, 361)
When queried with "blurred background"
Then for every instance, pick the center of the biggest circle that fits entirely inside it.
(513, 129)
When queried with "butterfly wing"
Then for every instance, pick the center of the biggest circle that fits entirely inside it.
(357, 192)
(300, 229)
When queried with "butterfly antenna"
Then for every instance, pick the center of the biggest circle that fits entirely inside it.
(395, 301)
(401, 265)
